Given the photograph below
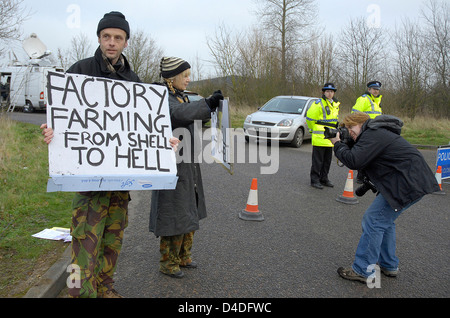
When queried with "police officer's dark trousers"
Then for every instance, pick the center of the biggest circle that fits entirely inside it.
(321, 162)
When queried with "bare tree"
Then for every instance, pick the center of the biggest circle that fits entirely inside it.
(224, 50)
(80, 47)
(258, 65)
(12, 15)
(437, 35)
(288, 21)
(361, 54)
(315, 64)
(247, 61)
(437, 18)
(63, 58)
(326, 59)
(144, 56)
(411, 70)
(256, 57)
(196, 68)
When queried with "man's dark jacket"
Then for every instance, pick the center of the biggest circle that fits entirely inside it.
(96, 66)
(397, 168)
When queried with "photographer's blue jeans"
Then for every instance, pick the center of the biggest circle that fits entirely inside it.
(377, 243)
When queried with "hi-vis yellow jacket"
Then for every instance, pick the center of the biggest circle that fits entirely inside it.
(325, 111)
(368, 104)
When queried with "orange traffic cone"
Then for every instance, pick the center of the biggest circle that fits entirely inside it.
(251, 212)
(348, 197)
(439, 180)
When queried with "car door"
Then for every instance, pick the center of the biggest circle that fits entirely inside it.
(308, 105)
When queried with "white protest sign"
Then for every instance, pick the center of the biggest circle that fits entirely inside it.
(108, 135)
(221, 135)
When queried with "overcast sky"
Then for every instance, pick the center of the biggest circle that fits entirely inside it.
(180, 27)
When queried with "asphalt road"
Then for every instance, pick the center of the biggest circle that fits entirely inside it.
(296, 250)
(36, 118)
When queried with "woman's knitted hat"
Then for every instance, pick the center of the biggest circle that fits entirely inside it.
(114, 19)
(172, 66)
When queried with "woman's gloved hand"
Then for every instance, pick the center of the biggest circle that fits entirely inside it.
(214, 100)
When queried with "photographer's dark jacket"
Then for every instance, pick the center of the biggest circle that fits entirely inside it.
(397, 168)
(175, 212)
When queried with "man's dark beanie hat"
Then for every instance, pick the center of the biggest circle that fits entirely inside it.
(114, 19)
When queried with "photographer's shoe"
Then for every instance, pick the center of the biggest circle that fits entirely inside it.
(350, 274)
(388, 272)
(316, 185)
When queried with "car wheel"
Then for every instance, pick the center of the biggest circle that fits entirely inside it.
(28, 108)
(298, 138)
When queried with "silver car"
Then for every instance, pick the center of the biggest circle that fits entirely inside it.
(282, 118)
(193, 97)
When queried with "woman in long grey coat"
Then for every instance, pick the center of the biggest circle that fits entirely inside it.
(175, 214)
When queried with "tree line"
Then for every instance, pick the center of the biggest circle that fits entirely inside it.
(287, 54)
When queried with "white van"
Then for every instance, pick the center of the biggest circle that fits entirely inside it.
(24, 86)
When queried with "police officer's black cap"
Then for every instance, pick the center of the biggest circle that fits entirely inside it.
(329, 86)
(374, 84)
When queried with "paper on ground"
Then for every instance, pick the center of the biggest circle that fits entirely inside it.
(56, 234)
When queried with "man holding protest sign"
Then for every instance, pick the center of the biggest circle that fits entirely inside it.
(100, 217)
(175, 214)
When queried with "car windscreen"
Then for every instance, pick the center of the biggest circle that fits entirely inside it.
(284, 105)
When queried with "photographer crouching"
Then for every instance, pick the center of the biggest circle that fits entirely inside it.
(395, 170)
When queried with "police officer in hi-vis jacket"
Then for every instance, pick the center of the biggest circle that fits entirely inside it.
(370, 101)
(326, 110)
(370, 104)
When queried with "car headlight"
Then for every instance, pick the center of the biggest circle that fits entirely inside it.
(248, 120)
(286, 122)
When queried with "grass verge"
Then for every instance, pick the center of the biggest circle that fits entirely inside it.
(26, 208)
(427, 131)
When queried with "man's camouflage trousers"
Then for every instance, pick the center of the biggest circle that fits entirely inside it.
(98, 222)
(175, 252)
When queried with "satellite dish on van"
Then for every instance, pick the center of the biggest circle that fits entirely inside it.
(34, 47)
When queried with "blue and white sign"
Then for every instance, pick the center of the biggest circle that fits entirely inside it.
(443, 160)
(108, 135)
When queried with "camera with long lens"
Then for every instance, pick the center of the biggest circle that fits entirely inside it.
(366, 186)
(344, 134)
(331, 131)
